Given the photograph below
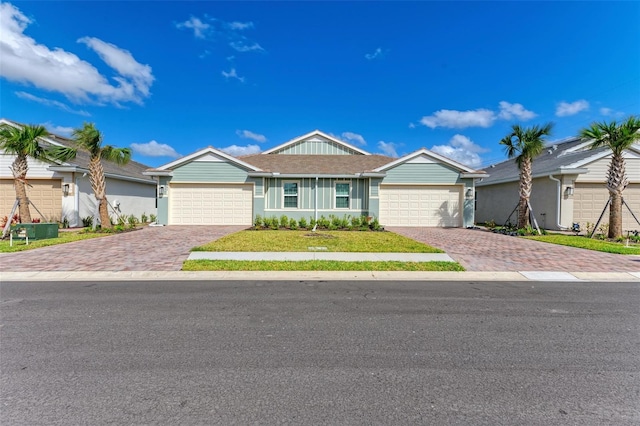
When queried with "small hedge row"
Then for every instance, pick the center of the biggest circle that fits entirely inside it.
(331, 223)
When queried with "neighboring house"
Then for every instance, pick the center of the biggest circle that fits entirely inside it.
(569, 186)
(311, 176)
(60, 191)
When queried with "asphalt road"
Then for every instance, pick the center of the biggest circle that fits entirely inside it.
(313, 353)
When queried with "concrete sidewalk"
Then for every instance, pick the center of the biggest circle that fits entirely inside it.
(213, 276)
(321, 255)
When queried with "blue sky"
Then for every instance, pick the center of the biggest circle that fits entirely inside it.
(169, 78)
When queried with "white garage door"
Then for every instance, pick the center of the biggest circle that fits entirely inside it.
(590, 198)
(45, 195)
(208, 204)
(404, 205)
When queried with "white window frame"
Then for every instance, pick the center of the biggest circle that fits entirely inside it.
(297, 182)
(335, 195)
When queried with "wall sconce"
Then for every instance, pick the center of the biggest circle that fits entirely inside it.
(65, 189)
(469, 193)
(568, 191)
(161, 191)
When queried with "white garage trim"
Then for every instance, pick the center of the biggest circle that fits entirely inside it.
(590, 198)
(210, 204)
(421, 205)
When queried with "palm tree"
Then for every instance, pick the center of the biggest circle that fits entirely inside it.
(23, 143)
(617, 137)
(525, 145)
(89, 138)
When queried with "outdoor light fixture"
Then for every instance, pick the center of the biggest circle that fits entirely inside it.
(65, 189)
(568, 191)
(161, 191)
(469, 193)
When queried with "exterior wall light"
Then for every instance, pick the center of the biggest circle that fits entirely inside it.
(161, 191)
(469, 193)
(568, 191)
(65, 189)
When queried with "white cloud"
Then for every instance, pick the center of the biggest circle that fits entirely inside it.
(388, 148)
(509, 111)
(123, 62)
(238, 151)
(239, 25)
(459, 119)
(353, 138)
(200, 29)
(232, 74)
(571, 108)
(58, 130)
(412, 125)
(26, 61)
(154, 149)
(481, 117)
(461, 149)
(243, 46)
(378, 53)
(609, 112)
(49, 102)
(247, 134)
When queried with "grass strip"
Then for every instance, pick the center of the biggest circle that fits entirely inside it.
(586, 243)
(63, 237)
(316, 265)
(330, 241)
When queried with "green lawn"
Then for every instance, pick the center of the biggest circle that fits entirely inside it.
(63, 237)
(303, 241)
(587, 243)
(316, 265)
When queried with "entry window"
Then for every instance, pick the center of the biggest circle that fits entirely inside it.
(291, 195)
(342, 195)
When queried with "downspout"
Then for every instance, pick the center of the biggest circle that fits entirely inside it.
(76, 200)
(559, 199)
(315, 206)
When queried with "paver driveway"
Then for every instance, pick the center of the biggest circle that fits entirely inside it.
(148, 249)
(480, 250)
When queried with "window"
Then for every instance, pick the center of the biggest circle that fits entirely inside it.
(342, 195)
(291, 195)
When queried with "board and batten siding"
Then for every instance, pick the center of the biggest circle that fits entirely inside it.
(306, 196)
(316, 146)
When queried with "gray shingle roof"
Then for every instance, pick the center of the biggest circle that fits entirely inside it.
(132, 169)
(316, 164)
(555, 156)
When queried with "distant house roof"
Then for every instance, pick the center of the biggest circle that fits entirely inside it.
(562, 157)
(131, 170)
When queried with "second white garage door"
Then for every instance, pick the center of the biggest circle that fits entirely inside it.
(209, 204)
(404, 205)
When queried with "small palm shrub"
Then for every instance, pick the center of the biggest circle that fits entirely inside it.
(132, 221)
(258, 222)
(284, 221)
(153, 217)
(293, 224)
(87, 222)
(303, 223)
(144, 218)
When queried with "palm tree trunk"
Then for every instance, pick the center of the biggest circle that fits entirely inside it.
(525, 193)
(19, 169)
(616, 183)
(99, 186)
(615, 215)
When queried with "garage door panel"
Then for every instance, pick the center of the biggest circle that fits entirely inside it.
(590, 198)
(402, 205)
(45, 195)
(210, 204)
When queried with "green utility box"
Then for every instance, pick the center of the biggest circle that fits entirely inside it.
(38, 231)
